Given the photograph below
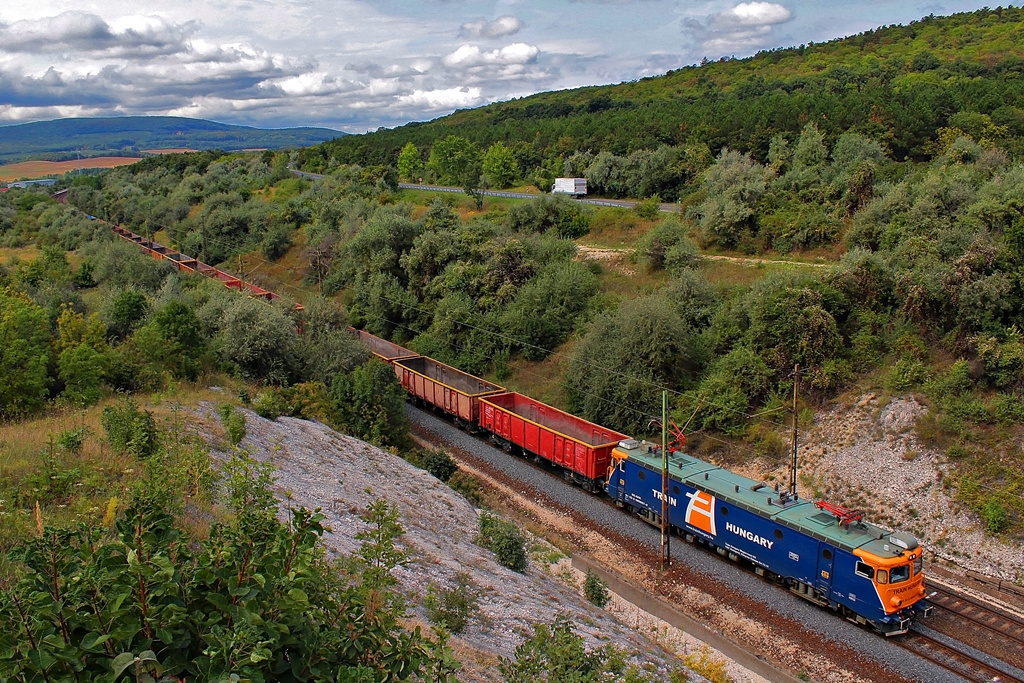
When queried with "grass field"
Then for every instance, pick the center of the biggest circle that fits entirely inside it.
(41, 169)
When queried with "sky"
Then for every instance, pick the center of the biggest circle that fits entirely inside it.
(355, 66)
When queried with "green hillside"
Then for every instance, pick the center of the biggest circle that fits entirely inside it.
(917, 286)
(64, 138)
(897, 84)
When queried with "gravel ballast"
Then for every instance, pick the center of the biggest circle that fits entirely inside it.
(821, 624)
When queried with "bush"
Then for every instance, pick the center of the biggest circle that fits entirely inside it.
(234, 423)
(146, 585)
(440, 464)
(468, 486)
(72, 440)
(905, 374)
(130, 430)
(270, 404)
(994, 515)
(595, 589)
(649, 208)
(1007, 408)
(505, 540)
(453, 607)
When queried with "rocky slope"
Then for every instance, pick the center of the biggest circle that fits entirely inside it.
(317, 467)
(865, 455)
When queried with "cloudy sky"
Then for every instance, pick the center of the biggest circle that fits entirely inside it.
(354, 65)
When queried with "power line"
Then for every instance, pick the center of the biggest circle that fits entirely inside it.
(510, 340)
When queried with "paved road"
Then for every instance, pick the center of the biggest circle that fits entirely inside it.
(621, 203)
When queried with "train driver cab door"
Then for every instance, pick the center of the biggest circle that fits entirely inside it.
(825, 561)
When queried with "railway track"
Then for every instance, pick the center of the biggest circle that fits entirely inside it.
(956, 660)
(988, 617)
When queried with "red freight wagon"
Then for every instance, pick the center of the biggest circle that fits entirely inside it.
(445, 387)
(583, 448)
(387, 351)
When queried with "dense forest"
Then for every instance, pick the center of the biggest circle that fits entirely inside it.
(901, 86)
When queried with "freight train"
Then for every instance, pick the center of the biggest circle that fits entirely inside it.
(822, 552)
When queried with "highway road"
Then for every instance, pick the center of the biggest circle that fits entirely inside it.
(621, 203)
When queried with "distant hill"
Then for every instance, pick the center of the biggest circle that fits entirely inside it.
(129, 135)
(897, 84)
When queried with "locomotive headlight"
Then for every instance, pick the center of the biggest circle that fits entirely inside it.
(896, 602)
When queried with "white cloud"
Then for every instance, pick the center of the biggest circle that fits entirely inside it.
(470, 55)
(83, 33)
(745, 27)
(450, 98)
(311, 83)
(757, 14)
(502, 26)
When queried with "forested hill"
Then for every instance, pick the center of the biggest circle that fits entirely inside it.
(64, 138)
(896, 84)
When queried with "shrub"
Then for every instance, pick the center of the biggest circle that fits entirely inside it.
(276, 243)
(905, 374)
(72, 440)
(440, 464)
(595, 589)
(130, 430)
(1007, 408)
(234, 423)
(270, 404)
(649, 208)
(994, 515)
(556, 652)
(468, 486)
(505, 540)
(453, 607)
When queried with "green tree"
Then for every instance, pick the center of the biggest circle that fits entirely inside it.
(732, 188)
(130, 429)
(504, 539)
(410, 164)
(452, 159)
(174, 339)
(499, 165)
(125, 312)
(370, 404)
(259, 340)
(456, 161)
(548, 307)
(82, 369)
(24, 354)
(617, 371)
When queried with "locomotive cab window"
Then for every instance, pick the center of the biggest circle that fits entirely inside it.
(827, 554)
(865, 570)
(918, 564)
(900, 573)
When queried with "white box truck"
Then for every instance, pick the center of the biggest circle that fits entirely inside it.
(577, 187)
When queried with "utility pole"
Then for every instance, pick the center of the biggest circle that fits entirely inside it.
(666, 558)
(792, 475)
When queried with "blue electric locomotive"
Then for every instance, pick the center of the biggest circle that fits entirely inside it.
(821, 552)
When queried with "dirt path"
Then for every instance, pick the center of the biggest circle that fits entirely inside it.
(606, 254)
